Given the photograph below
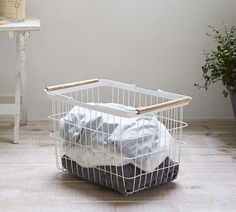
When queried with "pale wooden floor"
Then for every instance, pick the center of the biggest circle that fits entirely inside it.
(29, 180)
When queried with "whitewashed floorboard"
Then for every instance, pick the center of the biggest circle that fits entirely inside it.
(30, 181)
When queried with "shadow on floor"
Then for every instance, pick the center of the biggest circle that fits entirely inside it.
(95, 193)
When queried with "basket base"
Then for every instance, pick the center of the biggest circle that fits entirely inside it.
(125, 179)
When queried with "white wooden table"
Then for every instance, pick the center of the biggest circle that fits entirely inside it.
(20, 31)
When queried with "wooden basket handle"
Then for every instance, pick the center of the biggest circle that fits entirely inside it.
(164, 105)
(69, 85)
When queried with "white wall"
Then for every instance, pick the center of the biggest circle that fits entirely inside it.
(153, 43)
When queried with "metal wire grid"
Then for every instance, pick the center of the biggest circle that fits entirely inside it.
(171, 118)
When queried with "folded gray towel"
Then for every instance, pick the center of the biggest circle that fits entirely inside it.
(124, 179)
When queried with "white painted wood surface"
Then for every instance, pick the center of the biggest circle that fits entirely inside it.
(21, 64)
(19, 30)
(30, 181)
(8, 109)
(21, 26)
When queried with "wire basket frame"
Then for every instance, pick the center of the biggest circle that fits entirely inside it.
(117, 135)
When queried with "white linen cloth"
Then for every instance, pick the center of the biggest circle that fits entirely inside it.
(102, 139)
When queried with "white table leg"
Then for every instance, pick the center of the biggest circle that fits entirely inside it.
(20, 66)
(23, 81)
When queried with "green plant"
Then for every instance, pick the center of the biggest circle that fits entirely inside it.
(220, 63)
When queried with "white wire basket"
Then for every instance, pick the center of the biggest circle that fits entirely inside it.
(117, 135)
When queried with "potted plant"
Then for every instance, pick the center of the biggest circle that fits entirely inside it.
(220, 63)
